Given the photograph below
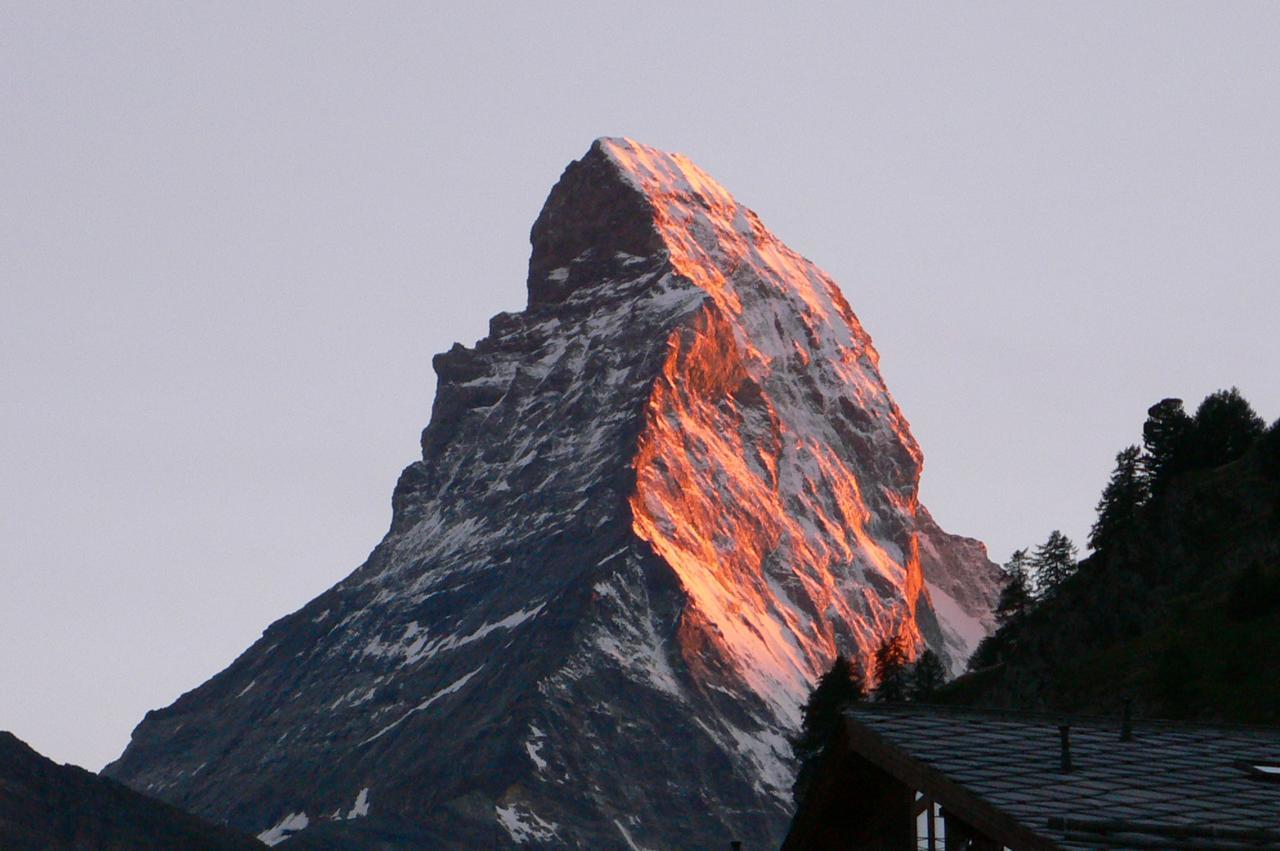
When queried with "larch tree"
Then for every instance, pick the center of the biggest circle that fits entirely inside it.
(1053, 562)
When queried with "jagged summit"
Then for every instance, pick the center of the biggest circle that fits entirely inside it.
(595, 212)
(649, 510)
(629, 199)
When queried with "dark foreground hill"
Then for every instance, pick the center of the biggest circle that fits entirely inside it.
(1181, 615)
(44, 805)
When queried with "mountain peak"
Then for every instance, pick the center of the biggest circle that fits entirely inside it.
(624, 200)
(649, 511)
(595, 215)
(664, 177)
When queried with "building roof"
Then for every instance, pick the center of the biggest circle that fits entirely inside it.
(1171, 785)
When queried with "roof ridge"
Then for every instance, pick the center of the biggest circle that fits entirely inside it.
(1055, 717)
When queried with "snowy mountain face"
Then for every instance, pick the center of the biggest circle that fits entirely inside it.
(650, 509)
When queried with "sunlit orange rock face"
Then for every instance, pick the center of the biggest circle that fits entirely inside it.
(775, 475)
(650, 509)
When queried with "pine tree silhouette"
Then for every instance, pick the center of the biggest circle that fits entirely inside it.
(843, 684)
(891, 669)
(927, 676)
(1054, 561)
(1163, 442)
(1015, 598)
(1223, 429)
(1126, 492)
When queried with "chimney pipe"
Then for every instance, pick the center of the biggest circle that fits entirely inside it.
(1126, 721)
(1064, 734)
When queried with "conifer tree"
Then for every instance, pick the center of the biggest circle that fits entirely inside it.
(1053, 562)
(927, 676)
(1223, 429)
(1163, 442)
(891, 669)
(1124, 494)
(1269, 449)
(843, 684)
(1015, 598)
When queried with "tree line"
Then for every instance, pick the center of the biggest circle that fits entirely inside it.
(1223, 428)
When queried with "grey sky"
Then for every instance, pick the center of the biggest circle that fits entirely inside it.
(233, 236)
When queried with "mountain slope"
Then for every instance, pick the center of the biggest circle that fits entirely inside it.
(649, 510)
(45, 806)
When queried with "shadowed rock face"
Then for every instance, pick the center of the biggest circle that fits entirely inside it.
(650, 509)
(592, 217)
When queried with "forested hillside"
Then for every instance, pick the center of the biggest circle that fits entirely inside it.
(1178, 607)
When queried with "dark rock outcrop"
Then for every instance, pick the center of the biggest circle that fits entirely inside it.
(51, 807)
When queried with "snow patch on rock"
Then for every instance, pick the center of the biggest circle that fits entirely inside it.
(361, 807)
(962, 630)
(533, 747)
(286, 827)
(523, 824)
